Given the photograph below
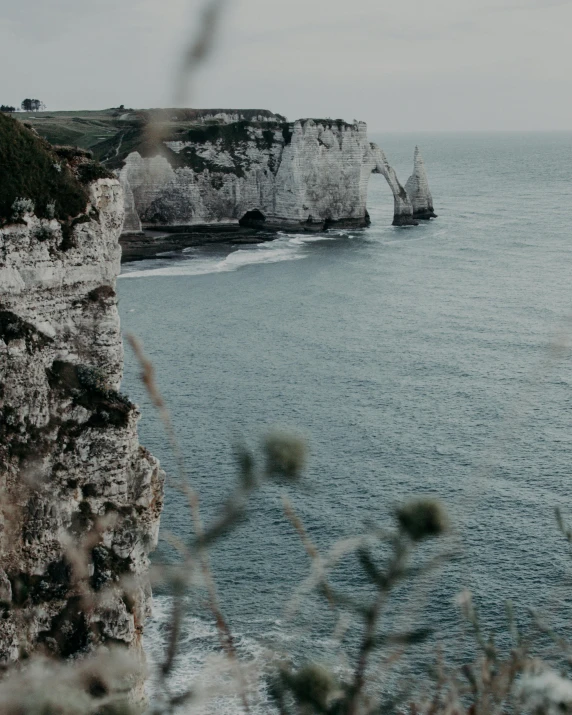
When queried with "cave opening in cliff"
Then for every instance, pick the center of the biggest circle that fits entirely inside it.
(253, 219)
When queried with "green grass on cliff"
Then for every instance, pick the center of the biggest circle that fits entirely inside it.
(112, 134)
(83, 129)
(31, 169)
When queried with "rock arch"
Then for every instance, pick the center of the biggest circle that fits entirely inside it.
(402, 207)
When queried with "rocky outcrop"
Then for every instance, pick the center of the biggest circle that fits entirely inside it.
(417, 188)
(80, 499)
(306, 175)
(402, 207)
(206, 167)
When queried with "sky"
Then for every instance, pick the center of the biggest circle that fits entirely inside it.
(411, 65)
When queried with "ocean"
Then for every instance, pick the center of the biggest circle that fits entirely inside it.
(433, 360)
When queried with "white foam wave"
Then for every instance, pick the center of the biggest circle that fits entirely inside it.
(288, 247)
(199, 666)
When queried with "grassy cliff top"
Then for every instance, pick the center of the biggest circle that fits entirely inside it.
(96, 130)
(53, 179)
(339, 123)
(112, 134)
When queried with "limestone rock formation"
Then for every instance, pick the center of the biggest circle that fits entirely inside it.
(80, 499)
(417, 188)
(306, 175)
(402, 208)
(196, 168)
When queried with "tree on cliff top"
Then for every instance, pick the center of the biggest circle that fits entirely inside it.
(32, 105)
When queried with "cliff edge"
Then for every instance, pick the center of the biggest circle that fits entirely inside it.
(207, 172)
(75, 485)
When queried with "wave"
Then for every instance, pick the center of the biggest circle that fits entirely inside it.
(288, 247)
(197, 665)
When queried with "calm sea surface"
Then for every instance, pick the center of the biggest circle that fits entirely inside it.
(434, 360)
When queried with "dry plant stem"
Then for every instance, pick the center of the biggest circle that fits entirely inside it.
(419, 595)
(225, 634)
(368, 644)
(199, 49)
(310, 547)
(197, 52)
(148, 379)
(174, 633)
(371, 624)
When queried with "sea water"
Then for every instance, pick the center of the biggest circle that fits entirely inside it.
(433, 360)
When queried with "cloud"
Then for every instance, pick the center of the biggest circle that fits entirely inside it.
(528, 5)
(339, 60)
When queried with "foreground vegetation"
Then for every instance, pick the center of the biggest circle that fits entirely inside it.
(491, 681)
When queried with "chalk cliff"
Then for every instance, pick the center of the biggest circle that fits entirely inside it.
(191, 168)
(305, 175)
(75, 485)
(417, 188)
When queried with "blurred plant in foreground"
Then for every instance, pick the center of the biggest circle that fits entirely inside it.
(102, 682)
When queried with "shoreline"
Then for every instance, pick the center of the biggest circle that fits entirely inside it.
(151, 243)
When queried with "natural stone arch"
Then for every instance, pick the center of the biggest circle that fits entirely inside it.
(402, 208)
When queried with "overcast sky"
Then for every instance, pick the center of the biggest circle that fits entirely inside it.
(410, 65)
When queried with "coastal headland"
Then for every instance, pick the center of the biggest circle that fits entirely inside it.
(192, 177)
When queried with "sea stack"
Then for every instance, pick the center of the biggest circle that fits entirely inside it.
(417, 188)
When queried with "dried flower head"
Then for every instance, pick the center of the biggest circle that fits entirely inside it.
(285, 454)
(422, 518)
(315, 685)
(99, 683)
(547, 693)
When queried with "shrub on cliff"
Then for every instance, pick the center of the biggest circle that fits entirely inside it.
(89, 171)
(31, 170)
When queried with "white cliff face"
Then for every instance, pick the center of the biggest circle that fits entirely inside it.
(309, 173)
(319, 177)
(72, 471)
(417, 188)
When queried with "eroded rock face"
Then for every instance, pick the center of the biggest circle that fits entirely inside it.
(80, 499)
(306, 175)
(417, 188)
